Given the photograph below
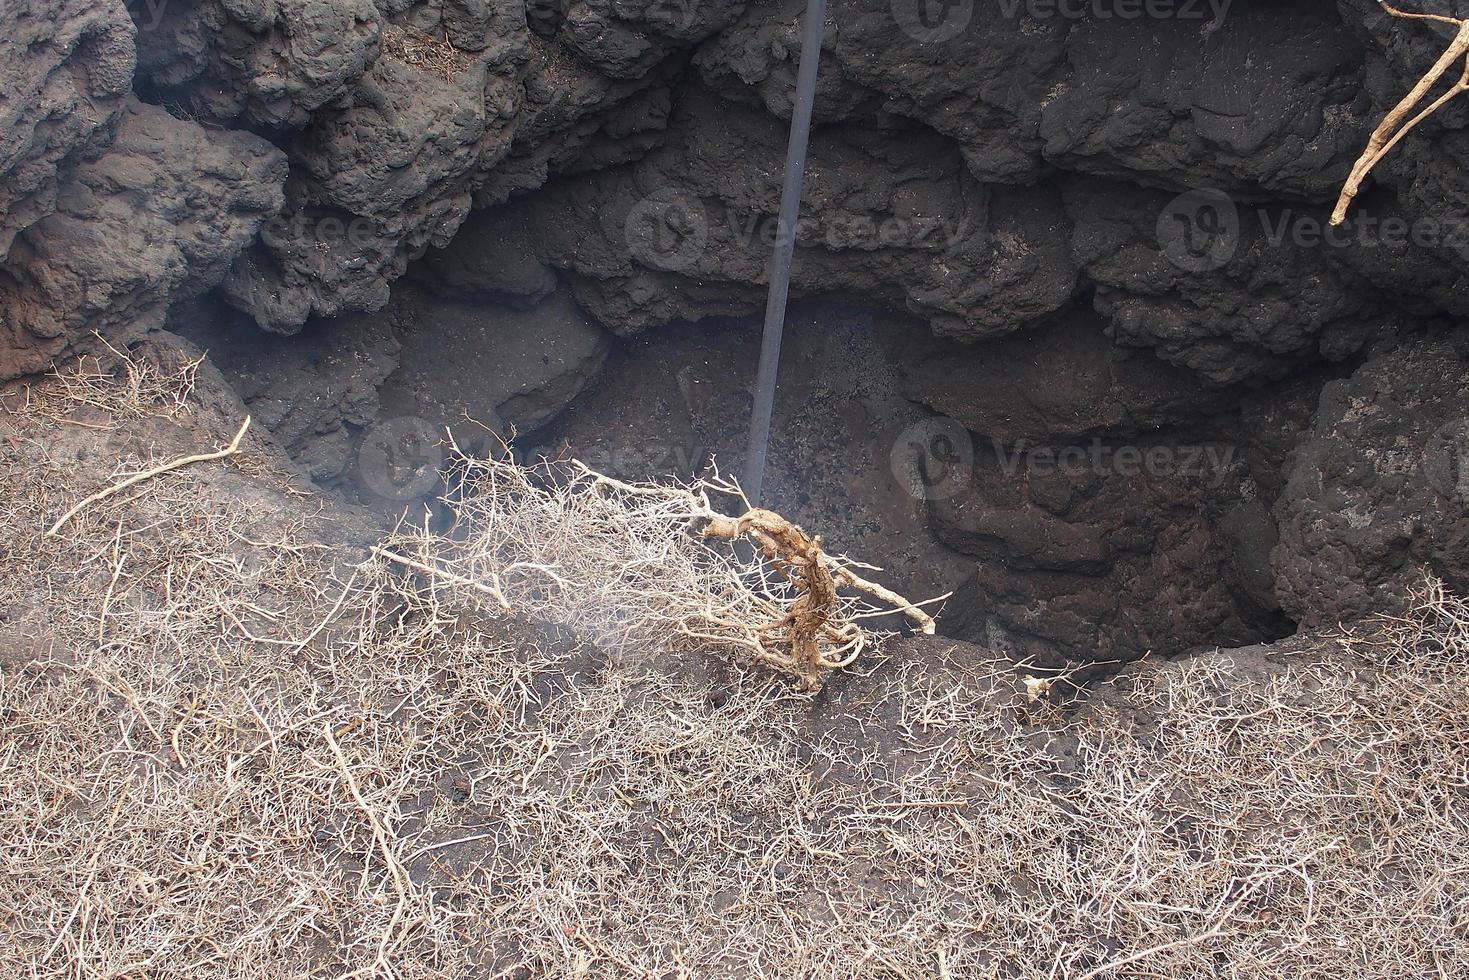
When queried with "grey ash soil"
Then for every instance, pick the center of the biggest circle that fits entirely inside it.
(554, 225)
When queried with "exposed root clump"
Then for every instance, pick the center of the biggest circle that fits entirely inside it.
(635, 567)
(233, 746)
(106, 390)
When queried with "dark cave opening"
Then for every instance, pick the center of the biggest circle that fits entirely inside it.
(1014, 376)
(1103, 518)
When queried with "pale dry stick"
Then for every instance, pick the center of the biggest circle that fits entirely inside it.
(178, 730)
(341, 600)
(122, 799)
(232, 449)
(492, 591)
(380, 835)
(123, 689)
(234, 761)
(427, 848)
(1221, 922)
(118, 560)
(598, 949)
(913, 611)
(1392, 129)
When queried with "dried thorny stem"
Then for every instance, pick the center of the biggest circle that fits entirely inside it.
(1401, 120)
(123, 388)
(150, 473)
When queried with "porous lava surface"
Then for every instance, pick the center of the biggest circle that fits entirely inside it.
(1071, 339)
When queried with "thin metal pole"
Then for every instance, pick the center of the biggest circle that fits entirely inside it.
(785, 247)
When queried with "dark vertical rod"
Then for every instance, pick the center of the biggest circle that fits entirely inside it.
(785, 247)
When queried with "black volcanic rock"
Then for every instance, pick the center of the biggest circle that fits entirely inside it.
(1379, 492)
(371, 186)
(1099, 232)
(157, 217)
(66, 67)
(258, 63)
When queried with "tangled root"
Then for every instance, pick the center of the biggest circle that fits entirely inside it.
(631, 566)
(802, 641)
(436, 55)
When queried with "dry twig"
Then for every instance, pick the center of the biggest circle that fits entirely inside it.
(1397, 124)
(136, 478)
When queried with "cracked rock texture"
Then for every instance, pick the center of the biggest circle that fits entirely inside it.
(1064, 234)
(260, 63)
(156, 218)
(1379, 489)
(66, 67)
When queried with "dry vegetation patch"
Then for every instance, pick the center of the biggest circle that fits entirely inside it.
(242, 750)
(435, 55)
(639, 567)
